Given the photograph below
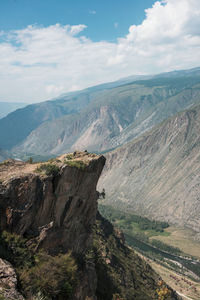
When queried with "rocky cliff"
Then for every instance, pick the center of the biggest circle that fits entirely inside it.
(59, 210)
(49, 209)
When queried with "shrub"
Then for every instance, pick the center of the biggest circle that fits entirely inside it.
(13, 248)
(30, 160)
(41, 276)
(79, 164)
(69, 156)
(51, 276)
(48, 169)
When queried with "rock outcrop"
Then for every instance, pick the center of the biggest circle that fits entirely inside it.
(58, 211)
(8, 282)
(53, 206)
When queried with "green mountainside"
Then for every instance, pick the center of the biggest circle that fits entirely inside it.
(157, 175)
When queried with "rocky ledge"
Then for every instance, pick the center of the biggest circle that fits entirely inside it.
(48, 210)
(54, 202)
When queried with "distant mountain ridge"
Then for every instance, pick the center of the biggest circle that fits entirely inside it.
(101, 117)
(157, 175)
(8, 107)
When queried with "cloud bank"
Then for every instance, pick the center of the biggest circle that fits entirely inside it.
(38, 63)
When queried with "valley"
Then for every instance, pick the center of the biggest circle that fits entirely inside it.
(178, 268)
(148, 130)
(157, 174)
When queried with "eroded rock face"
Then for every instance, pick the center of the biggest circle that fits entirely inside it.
(8, 282)
(56, 211)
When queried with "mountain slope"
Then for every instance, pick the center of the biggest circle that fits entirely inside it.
(15, 127)
(157, 175)
(115, 116)
(101, 117)
(8, 107)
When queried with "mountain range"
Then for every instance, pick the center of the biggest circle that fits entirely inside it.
(148, 129)
(100, 118)
(8, 107)
(139, 117)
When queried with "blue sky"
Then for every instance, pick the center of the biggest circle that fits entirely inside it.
(106, 19)
(50, 47)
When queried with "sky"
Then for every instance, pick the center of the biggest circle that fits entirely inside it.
(50, 47)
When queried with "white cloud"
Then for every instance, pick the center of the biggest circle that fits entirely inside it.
(116, 24)
(38, 63)
(54, 90)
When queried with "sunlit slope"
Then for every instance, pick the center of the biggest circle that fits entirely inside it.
(157, 175)
(114, 116)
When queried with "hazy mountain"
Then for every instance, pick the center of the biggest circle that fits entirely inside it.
(8, 107)
(114, 116)
(99, 118)
(185, 73)
(157, 175)
(36, 114)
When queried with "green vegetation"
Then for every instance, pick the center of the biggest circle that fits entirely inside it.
(134, 224)
(69, 156)
(39, 273)
(79, 164)
(51, 275)
(30, 160)
(138, 233)
(5, 163)
(118, 267)
(139, 228)
(164, 247)
(48, 169)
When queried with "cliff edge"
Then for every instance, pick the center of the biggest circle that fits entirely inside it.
(49, 232)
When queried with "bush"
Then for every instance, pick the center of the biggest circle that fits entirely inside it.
(41, 276)
(51, 276)
(49, 169)
(79, 164)
(30, 160)
(69, 156)
(13, 248)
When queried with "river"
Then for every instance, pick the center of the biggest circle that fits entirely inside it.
(190, 264)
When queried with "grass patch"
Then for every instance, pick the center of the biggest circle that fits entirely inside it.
(133, 223)
(69, 156)
(5, 163)
(48, 169)
(183, 238)
(79, 164)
